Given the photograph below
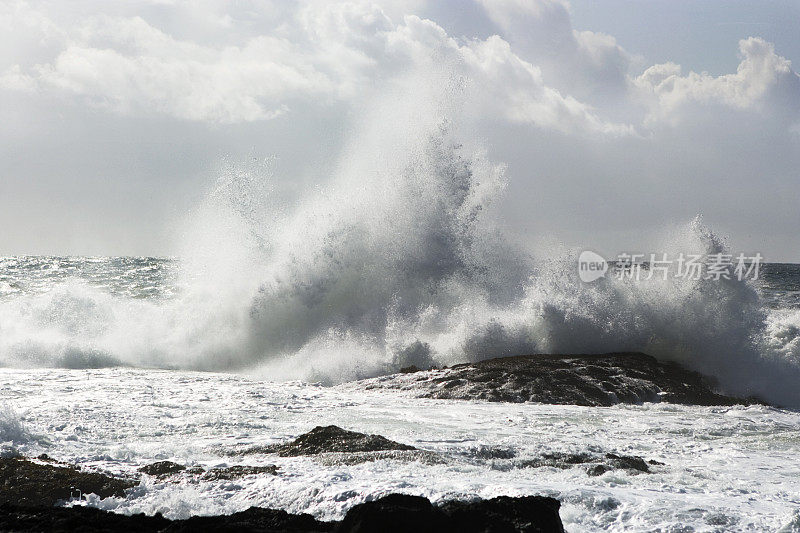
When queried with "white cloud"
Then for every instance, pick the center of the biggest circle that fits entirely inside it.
(518, 92)
(327, 51)
(762, 80)
(165, 74)
(588, 65)
(541, 71)
(593, 68)
(16, 80)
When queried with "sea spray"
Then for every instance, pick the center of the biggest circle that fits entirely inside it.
(398, 259)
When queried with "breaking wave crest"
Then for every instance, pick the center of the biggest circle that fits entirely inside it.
(398, 261)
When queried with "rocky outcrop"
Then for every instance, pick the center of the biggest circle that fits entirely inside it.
(27, 482)
(392, 513)
(168, 469)
(333, 444)
(238, 471)
(594, 464)
(333, 439)
(162, 468)
(402, 513)
(591, 380)
(92, 520)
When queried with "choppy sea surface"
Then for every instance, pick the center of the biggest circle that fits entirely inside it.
(71, 389)
(731, 468)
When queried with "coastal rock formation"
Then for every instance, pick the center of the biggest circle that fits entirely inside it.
(595, 464)
(402, 513)
(327, 439)
(92, 520)
(391, 513)
(238, 471)
(162, 468)
(29, 483)
(591, 380)
(165, 469)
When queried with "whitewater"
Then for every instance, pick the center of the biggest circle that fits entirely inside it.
(262, 326)
(408, 266)
(725, 469)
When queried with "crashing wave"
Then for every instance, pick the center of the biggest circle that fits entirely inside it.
(398, 261)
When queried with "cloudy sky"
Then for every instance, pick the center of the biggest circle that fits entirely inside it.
(615, 119)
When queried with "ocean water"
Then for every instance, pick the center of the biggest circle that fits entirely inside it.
(725, 469)
(71, 389)
(273, 312)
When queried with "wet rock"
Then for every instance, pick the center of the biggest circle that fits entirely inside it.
(531, 514)
(597, 464)
(88, 519)
(47, 459)
(559, 460)
(392, 513)
(165, 469)
(252, 520)
(354, 458)
(628, 462)
(238, 471)
(24, 482)
(591, 380)
(68, 519)
(402, 513)
(162, 468)
(324, 439)
(598, 470)
(492, 452)
(395, 513)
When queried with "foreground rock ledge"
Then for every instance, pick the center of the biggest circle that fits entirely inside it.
(392, 513)
(591, 380)
(31, 489)
(48, 482)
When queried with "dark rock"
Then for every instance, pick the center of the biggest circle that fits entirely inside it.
(598, 470)
(89, 519)
(531, 514)
(569, 458)
(167, 468)
(47, 459)
(324, 439)
(402, 513)
(24, 482)
(598, 464)
(492, 452)
(395, 513)
(162, 468)
(628, 462)
(560, 460)
(238, 471)
(409, 369)
(592, 380)
(392, 513)
(354, 458)
(69, 519)
(251, 520)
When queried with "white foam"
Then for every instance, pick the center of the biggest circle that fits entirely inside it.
(730, 468)
(398, 259)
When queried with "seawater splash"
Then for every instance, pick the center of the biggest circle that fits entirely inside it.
(359, 267)
(398, 260)
(12, 430)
